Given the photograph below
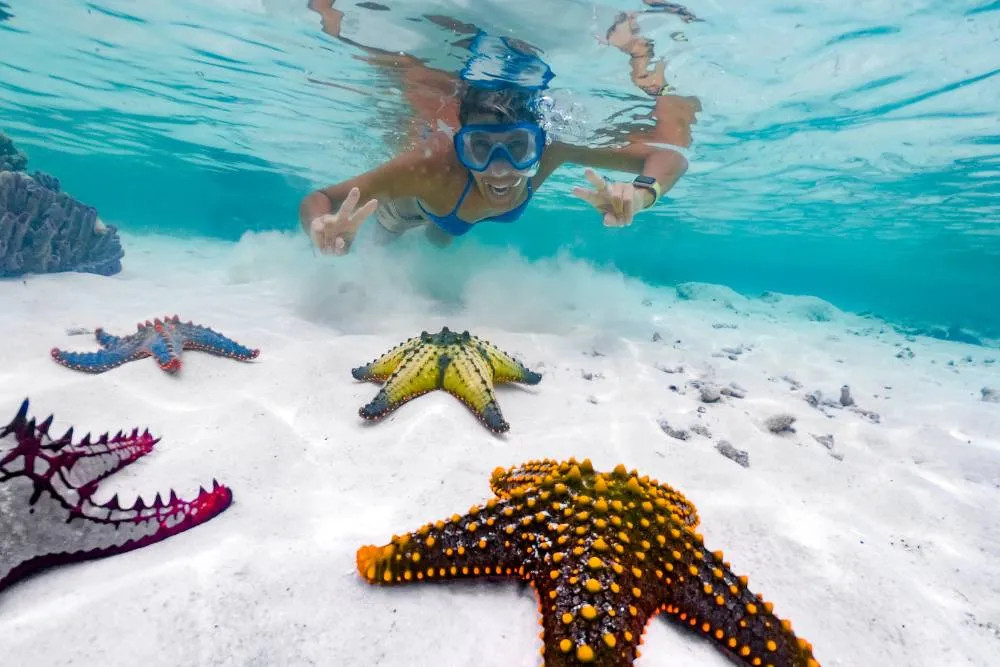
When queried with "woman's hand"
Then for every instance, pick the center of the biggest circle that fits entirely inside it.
(333, 233)
(619, 202)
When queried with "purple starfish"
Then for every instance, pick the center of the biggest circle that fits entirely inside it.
(47, 512)
(162, 339)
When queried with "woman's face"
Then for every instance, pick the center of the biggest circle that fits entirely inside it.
(501, 184)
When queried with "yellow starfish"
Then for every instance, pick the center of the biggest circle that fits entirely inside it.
(605, 553)
(463, 365)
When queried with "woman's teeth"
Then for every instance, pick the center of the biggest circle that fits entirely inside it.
(501, 190)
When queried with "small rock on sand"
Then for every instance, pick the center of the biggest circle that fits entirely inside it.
(825, 440)
(734, 390)
(738, 455)
(701, 430)
(845, 396)
(780, 423)
(709, 393)
(678, 433)
(792, 382)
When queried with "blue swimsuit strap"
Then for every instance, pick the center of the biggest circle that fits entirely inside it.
(455, 226)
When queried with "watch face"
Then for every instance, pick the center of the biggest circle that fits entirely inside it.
(644, 180)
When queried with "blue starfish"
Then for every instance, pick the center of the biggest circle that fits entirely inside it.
(163, 340)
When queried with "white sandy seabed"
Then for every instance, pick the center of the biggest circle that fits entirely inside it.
(874, 528)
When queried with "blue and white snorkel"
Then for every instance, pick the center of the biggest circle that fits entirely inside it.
(496, 64)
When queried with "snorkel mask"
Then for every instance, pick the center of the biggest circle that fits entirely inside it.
(521, 144)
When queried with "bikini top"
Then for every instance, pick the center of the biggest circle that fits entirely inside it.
(455, 226)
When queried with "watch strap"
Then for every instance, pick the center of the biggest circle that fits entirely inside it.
(647, 183)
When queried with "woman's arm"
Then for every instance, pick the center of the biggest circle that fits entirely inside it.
(395, 178)
(329, 216)
(662, 164)
(619, 201)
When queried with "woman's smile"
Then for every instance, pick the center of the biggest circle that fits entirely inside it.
(500, 190)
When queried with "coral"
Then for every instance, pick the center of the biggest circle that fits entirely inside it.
(11, 159)
(43, 230)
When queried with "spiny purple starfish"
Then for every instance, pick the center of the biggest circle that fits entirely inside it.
(162, 339)
(47, 512)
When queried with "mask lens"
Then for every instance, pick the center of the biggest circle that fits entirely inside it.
(519, 146)
(478, 146)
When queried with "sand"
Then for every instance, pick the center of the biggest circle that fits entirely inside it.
(873, 527)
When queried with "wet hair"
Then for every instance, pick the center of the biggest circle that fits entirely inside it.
(505, 105)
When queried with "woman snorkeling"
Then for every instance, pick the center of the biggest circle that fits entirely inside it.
(488, 170)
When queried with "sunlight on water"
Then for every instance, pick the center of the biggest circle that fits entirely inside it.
(845, 152)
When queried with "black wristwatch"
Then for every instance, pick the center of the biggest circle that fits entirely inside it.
(648, 183)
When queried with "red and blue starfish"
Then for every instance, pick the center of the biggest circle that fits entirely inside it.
(47, 512)
(164, 340)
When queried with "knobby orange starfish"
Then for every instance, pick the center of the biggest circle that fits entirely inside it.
(605, 552)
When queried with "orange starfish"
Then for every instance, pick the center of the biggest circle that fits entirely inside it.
(605, 552)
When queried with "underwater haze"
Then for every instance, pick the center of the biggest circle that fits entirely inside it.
(844, 150)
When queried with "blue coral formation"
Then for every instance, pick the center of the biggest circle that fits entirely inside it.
(44, 230)
(11, 159)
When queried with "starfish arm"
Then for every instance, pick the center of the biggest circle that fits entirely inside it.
(138, 337)
(62, 534)
(505, 367)
(468, 378)
(166, 350)
(128, 349)
(418, 374)
(381, 368)
(701, 592)
(197, 337)
(104, 339)
(484, 542)
(504, 481)
(89, 462)
(47, 512)
(578, 626)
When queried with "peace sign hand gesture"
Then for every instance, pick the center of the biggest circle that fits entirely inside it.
(333, 233)
(617, 201)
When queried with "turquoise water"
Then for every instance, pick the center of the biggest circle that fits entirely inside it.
(850, 152)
